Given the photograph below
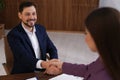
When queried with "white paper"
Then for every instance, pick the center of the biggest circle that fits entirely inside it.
(66, 77)
(33, 78)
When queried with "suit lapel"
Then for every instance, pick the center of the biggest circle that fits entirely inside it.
(39, 37)
(25, 36)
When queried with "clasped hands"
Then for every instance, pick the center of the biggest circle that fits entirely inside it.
(53, 66)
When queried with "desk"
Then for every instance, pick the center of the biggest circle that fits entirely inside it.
(40, 76)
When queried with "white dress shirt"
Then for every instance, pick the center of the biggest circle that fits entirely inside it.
(35, 44)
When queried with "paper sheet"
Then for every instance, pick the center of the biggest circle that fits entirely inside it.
(33, 78)
(66, 77)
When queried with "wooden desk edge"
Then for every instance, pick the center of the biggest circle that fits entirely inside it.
(23, 76)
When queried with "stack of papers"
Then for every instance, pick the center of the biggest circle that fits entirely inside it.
(66, 77)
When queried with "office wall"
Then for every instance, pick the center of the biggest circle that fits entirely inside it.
(110, 3)
(65, 15)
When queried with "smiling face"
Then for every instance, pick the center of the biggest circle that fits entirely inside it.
(90, 42)
(28, 16)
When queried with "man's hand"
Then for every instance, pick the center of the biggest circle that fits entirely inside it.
(45, 64)
(54, 67)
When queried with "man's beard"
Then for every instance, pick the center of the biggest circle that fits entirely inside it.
(30, 24)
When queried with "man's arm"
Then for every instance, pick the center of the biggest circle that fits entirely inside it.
(23, 54)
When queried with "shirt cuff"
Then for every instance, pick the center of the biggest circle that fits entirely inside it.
(38, 65)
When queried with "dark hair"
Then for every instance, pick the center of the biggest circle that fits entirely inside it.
(104, 26)
(25, 4)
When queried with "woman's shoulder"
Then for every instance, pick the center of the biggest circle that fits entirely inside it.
(98, 71)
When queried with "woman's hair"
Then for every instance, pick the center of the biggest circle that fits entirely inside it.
(104, 26)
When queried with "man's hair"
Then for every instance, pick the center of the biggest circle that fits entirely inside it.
(104, 26)
(25, 4)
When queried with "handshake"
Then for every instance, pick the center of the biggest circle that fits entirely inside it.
(53, 66)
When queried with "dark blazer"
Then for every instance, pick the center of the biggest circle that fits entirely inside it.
(93, 71)
(24, 56)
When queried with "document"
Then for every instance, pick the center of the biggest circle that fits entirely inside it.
(66, 77)
(33, 78)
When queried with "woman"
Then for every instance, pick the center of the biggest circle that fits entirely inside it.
(104, 27)
(102, 36)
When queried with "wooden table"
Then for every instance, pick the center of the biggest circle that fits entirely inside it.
(39, 76)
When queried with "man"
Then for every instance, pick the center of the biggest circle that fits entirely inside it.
(29, 42)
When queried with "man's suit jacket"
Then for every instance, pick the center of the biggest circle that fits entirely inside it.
(93, 71)
(24, 56)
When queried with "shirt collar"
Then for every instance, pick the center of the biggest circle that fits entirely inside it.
(27, 31)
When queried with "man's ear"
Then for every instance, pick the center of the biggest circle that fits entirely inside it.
(19, 15)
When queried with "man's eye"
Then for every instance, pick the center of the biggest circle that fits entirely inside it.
(34, 14)
(27, 14)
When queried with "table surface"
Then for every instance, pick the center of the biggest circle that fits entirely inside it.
(39, 76)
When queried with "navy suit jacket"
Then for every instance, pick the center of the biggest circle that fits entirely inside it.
(24, 56)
